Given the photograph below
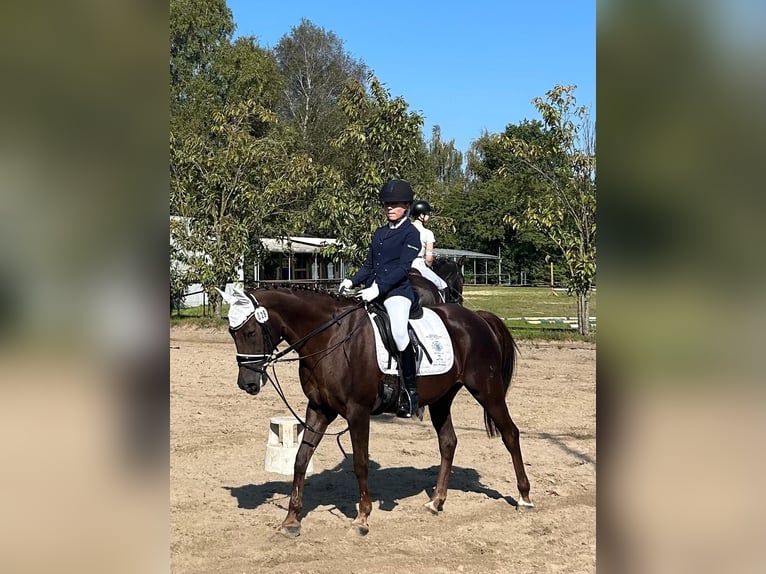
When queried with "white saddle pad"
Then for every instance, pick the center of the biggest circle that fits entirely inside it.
(434, 337)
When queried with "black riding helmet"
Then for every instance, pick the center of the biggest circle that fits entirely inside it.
(396, 190)
(420, 208)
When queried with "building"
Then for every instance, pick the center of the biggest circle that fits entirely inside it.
(298, 259)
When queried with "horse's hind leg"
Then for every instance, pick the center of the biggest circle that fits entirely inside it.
(498, 411)
(316, 424)
(441, 418)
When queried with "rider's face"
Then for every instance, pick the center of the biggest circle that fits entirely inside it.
(395, 210)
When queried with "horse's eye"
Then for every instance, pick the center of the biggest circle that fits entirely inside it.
(250, 333)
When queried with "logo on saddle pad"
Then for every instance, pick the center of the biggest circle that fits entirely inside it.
(437, 357)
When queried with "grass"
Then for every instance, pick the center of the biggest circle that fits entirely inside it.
(510, 303)
(193, 317)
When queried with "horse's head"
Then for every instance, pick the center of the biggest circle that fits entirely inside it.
(254, 338)
(451, 272)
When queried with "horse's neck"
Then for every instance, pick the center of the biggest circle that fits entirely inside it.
(298, 315)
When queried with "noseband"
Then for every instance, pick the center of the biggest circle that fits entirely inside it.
(259, 363)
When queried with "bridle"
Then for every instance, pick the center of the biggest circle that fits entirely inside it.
(261, 362)
(456, 295)
(258, 363)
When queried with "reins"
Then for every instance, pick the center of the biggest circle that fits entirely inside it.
(271, 361)
(313, 333)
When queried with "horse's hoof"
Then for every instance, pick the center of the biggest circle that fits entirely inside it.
(361, 529)
(524, 505)
(291, 531)
(432, 508)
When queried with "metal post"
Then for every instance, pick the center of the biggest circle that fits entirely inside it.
(499, 267)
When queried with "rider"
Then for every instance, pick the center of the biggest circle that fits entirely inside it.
(385, 275)
(421, 213)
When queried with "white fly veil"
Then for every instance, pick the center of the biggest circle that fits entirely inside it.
(241, 307)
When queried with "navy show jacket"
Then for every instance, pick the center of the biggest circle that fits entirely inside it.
(389, 259)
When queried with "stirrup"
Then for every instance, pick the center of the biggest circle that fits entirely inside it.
(404, 410)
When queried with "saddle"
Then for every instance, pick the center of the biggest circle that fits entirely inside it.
(383, 322)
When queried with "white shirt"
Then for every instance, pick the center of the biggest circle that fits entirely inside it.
(426, 237)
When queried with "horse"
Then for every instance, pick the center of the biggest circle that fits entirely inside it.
(448, 270)
(339, 375)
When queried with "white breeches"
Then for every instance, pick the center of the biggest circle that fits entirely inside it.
(428, 273)
(398, 308)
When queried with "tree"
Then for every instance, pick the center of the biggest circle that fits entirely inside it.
(489, 198)
(230, 186)
(445, 161)
(564, 165)
(316, 68)
(382, 141)
(198, 30)
(443, 176)
(207, 70)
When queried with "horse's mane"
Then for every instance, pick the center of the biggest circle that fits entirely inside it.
(311, 290)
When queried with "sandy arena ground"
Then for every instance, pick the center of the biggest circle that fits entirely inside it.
(226, 509)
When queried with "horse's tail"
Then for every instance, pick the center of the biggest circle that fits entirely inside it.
(509, 351)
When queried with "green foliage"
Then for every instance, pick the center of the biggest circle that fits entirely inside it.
(299, 140)
(474, 216)
(231, 187)
(563, 164)
(178, 283)
(208, 71)
(445, 162)
(198, 30)
(439, 174)
(381, 140)
(315, 68)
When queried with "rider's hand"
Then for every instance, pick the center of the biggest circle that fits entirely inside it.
(345, 285)
(370, 293)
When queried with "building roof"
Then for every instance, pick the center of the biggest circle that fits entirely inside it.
(296, 244)
(463, 252)
(314, 244)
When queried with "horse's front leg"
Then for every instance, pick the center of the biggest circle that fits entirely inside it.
(316, 424)
(441, 418)
(359, 427)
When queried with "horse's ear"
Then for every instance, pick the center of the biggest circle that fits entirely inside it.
(460, 261)
(225, 296)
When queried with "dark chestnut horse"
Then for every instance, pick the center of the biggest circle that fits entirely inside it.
(448, 270)
(340, 376)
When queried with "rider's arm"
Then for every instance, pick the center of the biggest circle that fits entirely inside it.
(429, 256)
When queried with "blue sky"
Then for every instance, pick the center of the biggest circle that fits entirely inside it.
(465, 66)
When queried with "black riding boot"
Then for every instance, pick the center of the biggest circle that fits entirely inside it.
(444, 294)
(408, 400)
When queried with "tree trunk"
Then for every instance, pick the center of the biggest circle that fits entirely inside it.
(216, 304)
(583, 313)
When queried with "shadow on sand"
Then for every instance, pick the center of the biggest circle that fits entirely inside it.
(338, 487)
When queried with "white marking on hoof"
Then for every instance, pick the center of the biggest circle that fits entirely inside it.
(522, 504)
(431, 507)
